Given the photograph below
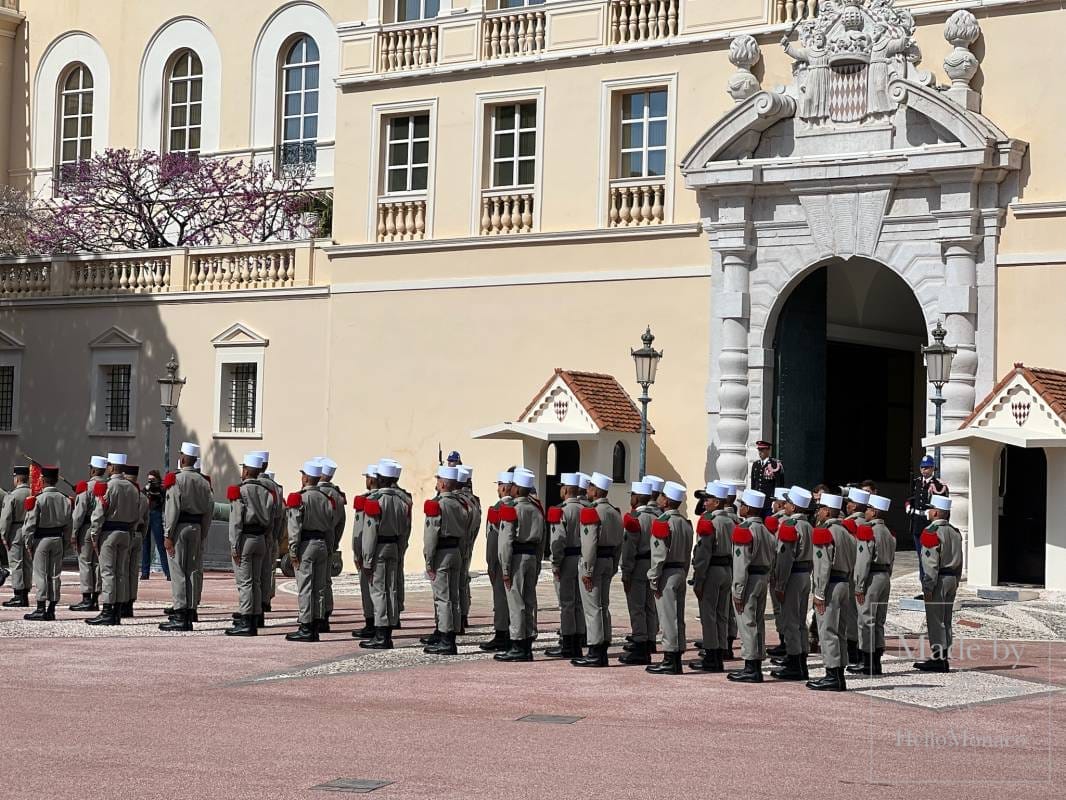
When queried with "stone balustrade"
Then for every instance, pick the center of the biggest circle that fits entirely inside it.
(401, 220)
(642, 20)
(636, 202)
(515, 33)
(793, 10)
(506, 211)
(407, 48)
(10, 4)
(204, 269)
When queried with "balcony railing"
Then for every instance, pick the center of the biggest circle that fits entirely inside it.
(793, 10)
(633, 202)
(642, 20)
(207, 269)
(401, 220)
(13, 5)
(514, 33)
(407, 48)
(506, 211)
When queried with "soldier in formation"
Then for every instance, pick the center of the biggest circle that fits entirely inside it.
(635, 562)
(386, 527)
(671, 555)
(46, 527)
(501, 640)
(564, 526)
(601, 544)
(753, 554)
(941, 567)
(12, 516)
(711, 576)
(521, 531)
(834, 562)
(88, 561)
(309, 523)
(875, 555)
(251, 518)
(446, 532)
(791, 582)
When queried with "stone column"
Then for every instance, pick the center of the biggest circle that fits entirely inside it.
(731, 239)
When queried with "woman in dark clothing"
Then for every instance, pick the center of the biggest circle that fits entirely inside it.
(153, 488)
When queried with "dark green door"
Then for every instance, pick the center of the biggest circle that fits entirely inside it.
(800, 370)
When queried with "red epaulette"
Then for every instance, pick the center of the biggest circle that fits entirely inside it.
(83, 486)
(772, 524)
(589, 516)
(555, 515)
(293, 500)
(930, 538)
(494, 516)
(742, 535)
(631, 523)
(822, 536)
(787, 533)
(359, 503)
(864, 533)
(100, 489)
(233, 493)
(852, 526)
(508, 514)
(372, 508)
(168, 480)
(30, 503)
(704, 527)
(431, 508)
(660, 529)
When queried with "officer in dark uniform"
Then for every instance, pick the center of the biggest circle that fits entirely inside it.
(923, 486)
(767, 474)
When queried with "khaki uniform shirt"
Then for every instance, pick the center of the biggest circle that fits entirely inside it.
(13, 513)
(309, 510)
(527, 529)
(835, 555)
(189, 495)
(120, 504)
(254, 507)
(941, 550)
(671, 544)
(51, 509)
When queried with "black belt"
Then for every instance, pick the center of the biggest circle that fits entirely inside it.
(312, 536)
(191, 519)
(948, 573)
(802, 566)
(838, 579)
(642, 556)
(388, 540)
(571, 551)
(605, 552)
(116, 526)
(44, 533)
(253, 530)
(674, 565)
(448, 543)
(836, 573)
(721, 561)
(758, 570)
(525, 549)
(880, 568)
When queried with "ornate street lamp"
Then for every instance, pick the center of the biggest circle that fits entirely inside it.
(646, 360)
(169, 394)
(938, 357)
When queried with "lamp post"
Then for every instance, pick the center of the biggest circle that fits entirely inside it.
(938, 357)
(646, 360)
(169, 394)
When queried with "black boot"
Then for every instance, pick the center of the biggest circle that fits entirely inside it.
(125, 610)
(322, 625)
(37, 615)
(446, 646)
(170, 611)
(670, 665)
(462, 625)
(431, 639)
(791, 671)
(777, 652)
(880, 651)
(832, 682)
(854, 656)
(260, 620)
(306, 633)
(933, 665)
(366, 632)
(5, 573)
(245, 626)
(597, 657)
(521, 650)
(752, 673)
(803, 666)
(20, 599)
(266, 607)
(50, 613)
(181, 622)
(638, 656)
(583, 640)
(86, 603)
(865, 666)
(382, 639)
(95, 603)
(107, 616)
(709, 662)
(500, 642)
(567, 648)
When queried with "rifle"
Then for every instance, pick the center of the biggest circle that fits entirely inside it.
(36, 463)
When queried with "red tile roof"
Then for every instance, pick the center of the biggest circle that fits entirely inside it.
(1050, 384)
(609, 405)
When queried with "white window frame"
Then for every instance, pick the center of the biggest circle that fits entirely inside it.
(238, 344)
(169, 128)
(644, 148)
(411, 165)
(515, 159)
(302, 93)
(377, 182)
(114, 347)
(11, 356)
(79, 138)
(611, 92)
(398, 4)
(484, 105)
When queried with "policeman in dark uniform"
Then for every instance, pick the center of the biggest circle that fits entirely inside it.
(767, 474)
(923, 487)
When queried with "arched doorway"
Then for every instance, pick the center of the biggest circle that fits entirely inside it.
(563, 456)
(849, 379)
(1022, 550)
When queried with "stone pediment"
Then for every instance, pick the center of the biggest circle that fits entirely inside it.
(115, 337)
(237, 335)
(1029, 401)
(9, 342)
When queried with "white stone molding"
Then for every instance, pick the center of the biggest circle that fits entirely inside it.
(285, 25)
(179, 34)
(961, 31)
(239, 344)
(11, 350)
(71, 48)
(114, 346)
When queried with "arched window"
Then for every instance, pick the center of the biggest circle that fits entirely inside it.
(299, 103)
(185, 103)
(618, 463)
(75, 121)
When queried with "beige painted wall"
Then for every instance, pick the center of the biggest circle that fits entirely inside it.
(1032, 327)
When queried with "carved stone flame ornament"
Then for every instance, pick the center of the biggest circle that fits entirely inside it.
(744, 54)
(846, 57)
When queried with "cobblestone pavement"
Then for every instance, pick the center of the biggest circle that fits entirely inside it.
(135, 712)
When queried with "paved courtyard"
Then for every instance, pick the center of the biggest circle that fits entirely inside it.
(133, 712)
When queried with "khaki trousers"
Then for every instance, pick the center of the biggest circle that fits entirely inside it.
(597, 603)
(47, 563)
(568, 592)
(114, 547)
(312, 576)
(671, 610)
(249, 575)
(751, 625)
(832, 631)
(714, 607)
(184, 565)
(88, 564)
(522, 596)
(873, 612)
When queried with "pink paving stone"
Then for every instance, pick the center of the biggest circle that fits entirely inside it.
(164, 717)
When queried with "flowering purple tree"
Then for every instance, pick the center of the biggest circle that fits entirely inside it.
(15, 215)
(140, 199)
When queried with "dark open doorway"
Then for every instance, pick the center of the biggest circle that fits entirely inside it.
(1023, 516)
(563, 456)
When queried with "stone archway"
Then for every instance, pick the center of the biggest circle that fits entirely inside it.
(907, 175)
